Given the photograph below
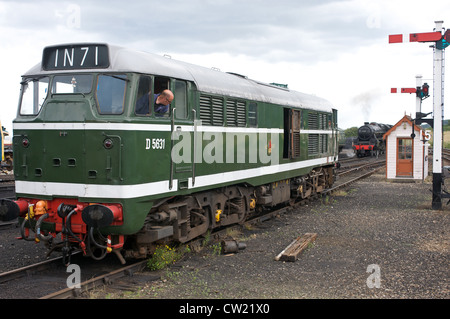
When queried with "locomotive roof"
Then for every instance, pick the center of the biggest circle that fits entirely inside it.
(207, 80)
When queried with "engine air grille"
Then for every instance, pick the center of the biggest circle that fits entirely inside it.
(235, 113)
(313, 121)
(211, 110)
(313, 144)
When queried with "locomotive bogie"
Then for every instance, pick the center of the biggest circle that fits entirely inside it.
(228, 148)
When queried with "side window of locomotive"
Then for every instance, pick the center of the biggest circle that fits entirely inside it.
(111, 93)
(252, 114)
(161, 84)
(143, 96)
(180, 99)
(33, 94)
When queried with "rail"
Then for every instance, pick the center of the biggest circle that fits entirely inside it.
(105, 279)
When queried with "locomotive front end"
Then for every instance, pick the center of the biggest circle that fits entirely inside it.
(370, 139)
(63, 159)
(66, 224)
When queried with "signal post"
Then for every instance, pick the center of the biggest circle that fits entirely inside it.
(441, 42)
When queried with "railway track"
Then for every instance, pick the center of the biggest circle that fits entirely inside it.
(50, 279)
(348, 170)
(445, 155)
(105, 279)
(7, 188)
(54, 274)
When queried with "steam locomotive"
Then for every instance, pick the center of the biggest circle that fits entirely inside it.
(370, 139)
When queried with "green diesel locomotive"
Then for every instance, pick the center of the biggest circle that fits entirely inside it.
(99, 168)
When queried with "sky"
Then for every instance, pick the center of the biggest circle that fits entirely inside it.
(337, 50)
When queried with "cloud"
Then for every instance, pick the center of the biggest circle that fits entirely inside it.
(275, 30)
(284, 30)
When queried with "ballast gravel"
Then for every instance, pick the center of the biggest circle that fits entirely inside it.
(375, 240)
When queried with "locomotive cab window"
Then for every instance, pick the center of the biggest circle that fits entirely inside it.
(111, 93)
(144, 96)
(161, 84)
(180, 99)
(148, 92)
(33, 94)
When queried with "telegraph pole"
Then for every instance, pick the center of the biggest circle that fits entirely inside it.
(441, 42)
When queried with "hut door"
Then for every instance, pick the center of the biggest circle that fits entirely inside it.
(404, 157)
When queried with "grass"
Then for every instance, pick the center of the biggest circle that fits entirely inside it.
(165, 256)
(446, 141)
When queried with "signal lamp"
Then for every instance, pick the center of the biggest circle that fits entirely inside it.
(25, 142)
(108, 143)
(425, 90)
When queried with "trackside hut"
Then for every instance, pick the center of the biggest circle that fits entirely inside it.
(406, 157)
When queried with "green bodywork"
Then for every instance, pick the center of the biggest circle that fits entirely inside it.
(77, 155)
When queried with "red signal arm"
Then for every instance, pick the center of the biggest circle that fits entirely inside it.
(396, 38)
(425, 37)
(404, 90)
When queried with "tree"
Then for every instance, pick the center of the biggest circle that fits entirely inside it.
(351, 132)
